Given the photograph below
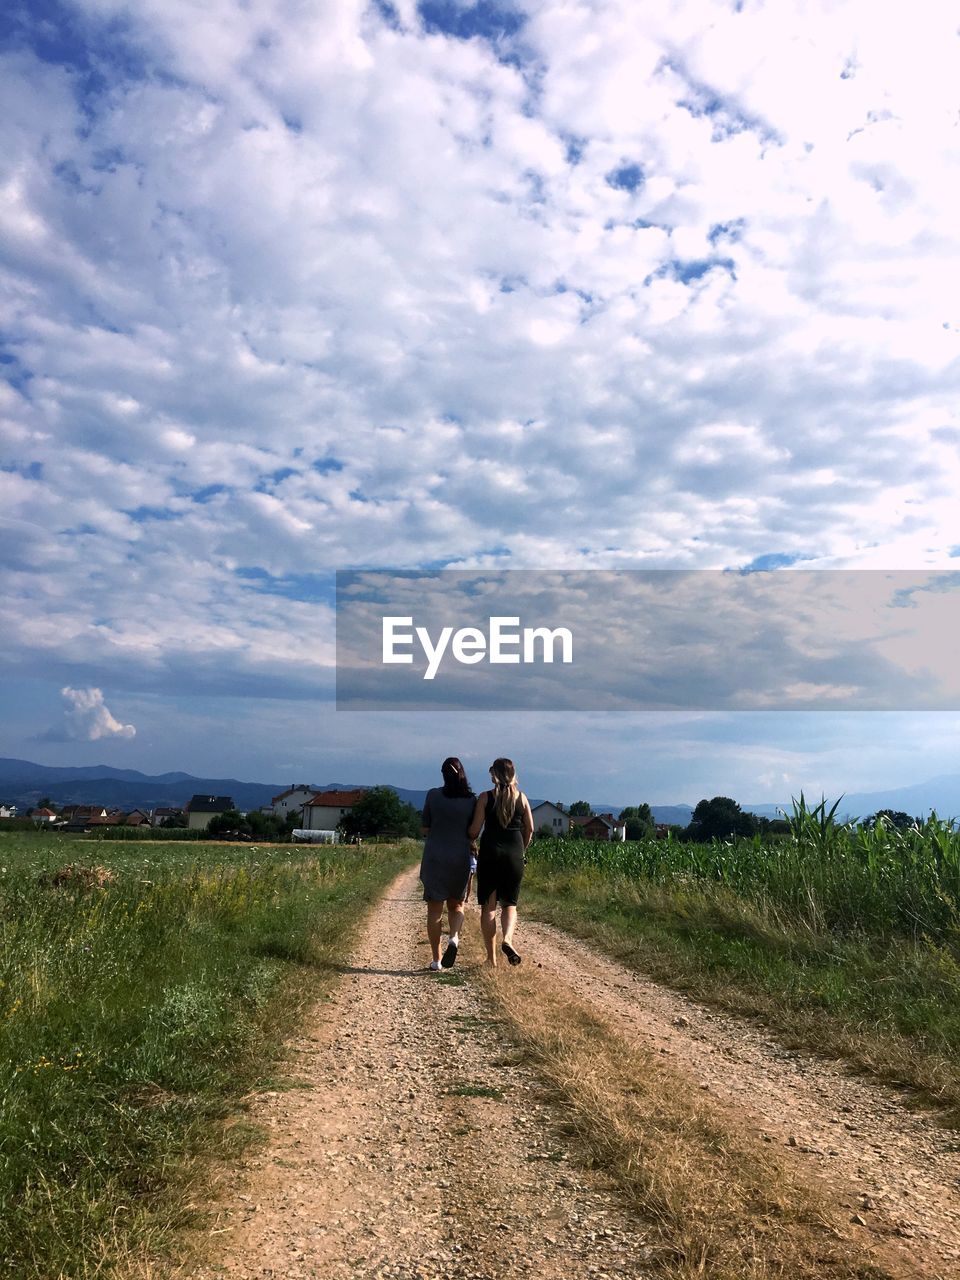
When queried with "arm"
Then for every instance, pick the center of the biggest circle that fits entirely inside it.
(476, 822)
(527, 823)
(425, 817)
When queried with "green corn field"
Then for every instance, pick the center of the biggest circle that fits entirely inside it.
(829, 875)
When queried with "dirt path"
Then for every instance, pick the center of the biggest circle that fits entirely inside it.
(896, 1169)
(417, 1147)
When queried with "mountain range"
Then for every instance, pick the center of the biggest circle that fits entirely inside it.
(23, 783)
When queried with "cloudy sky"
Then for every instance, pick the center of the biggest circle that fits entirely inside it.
(287, 288)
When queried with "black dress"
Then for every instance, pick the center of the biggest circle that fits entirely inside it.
(445, 868)
(500, 856)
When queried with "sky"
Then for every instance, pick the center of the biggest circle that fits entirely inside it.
(290, 288)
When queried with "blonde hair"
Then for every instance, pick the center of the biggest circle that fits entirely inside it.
(506, 790)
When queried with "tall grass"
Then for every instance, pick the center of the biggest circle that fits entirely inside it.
(831, 876)
(135, 1013)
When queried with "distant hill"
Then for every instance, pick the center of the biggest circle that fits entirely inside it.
(23, 783)
(918, 800)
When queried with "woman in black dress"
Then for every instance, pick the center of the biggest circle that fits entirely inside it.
(504, 814)
(447, 852)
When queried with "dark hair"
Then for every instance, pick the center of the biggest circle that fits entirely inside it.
(455, 778)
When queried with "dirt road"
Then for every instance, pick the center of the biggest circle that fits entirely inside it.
(416, 1145)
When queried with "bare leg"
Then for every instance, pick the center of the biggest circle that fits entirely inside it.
(508, 922)
(454, 916)
(488, 927)
(435, 928)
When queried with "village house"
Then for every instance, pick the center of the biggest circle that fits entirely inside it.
(327, 809)
(158, 816)
(291, 801)
(43, 815)
(112, 818)
(81, 813)
(550, 818)
(601, 826)
(137, 818)
(201, 810)
(8, 810)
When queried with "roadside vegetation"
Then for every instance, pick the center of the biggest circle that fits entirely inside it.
(143, 992)
(845, 939)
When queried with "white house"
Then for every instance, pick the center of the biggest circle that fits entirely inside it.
(291, 801)
(8, 810)
(550, 817)
(325, 810)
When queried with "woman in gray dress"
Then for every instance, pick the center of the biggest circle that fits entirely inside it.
(447, 850)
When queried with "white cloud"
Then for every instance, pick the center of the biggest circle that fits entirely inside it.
(281, 241)
(88, 718)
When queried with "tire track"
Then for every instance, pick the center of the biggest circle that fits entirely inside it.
(897, 1171)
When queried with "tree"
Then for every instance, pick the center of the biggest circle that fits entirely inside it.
(580, 809)
(261, 826)
(229, 821)
(720, 818)
(639, 822)
(269, 826)
(890, 818)
(380, 811)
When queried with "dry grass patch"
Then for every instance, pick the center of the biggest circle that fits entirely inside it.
(722, 1203)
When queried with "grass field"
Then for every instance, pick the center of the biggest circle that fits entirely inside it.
(846, 942)
(138, 1004)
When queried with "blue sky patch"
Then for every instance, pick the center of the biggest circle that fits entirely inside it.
(326, 465)
(268, 482)
(14, 372)
(98, 52)
(144, 514)
(730, 232)
(770, 560)
(28, 470)
(727, 116)
(489, 21)
(691, 269)
(311, 588)
(388, 13)
(207, 492)
(626, 177)
(575, 147)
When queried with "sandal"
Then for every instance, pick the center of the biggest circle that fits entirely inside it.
(449, 956)
(514, 957)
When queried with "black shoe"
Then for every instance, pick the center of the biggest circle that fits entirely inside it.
(449, 957)
(513, 956)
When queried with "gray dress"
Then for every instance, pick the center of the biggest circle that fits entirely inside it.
(445, 868)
